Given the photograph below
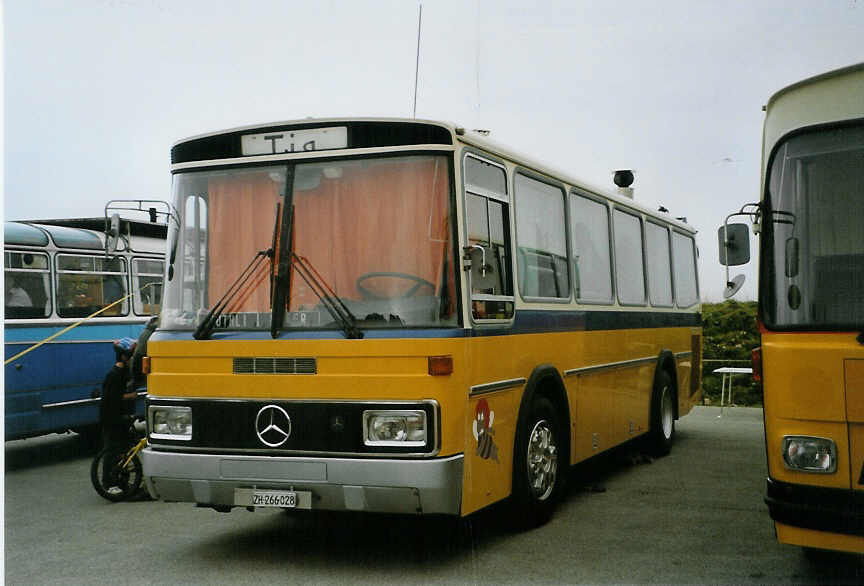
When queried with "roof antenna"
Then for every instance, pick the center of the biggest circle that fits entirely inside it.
(417, 62)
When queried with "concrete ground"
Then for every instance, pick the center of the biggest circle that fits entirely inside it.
(695, 516)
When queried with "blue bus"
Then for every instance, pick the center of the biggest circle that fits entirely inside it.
(57, 274)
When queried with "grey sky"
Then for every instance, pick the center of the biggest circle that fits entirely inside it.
(97, 91)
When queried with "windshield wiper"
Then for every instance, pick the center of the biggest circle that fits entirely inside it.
(207, 325)
(285, 259)
(334, 305)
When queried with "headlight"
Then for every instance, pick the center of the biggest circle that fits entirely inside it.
(170, 422)
(810, 454)
(394, 428)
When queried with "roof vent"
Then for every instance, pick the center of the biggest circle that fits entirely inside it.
(624, 179)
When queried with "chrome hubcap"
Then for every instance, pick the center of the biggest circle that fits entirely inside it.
(667, 413)
(542, 460)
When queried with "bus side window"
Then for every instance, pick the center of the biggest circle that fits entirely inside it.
(488, 223)
(629, 259)
(589, 238)
(684, 265)
(541, 239)
(86, 284)
(27, 285)
(659, 265)
(147, 285)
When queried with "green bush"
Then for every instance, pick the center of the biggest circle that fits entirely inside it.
(729, 334)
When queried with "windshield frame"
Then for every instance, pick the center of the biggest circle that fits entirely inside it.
(291, 161)
(768, 267)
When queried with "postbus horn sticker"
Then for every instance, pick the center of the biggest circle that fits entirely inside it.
(483, 433)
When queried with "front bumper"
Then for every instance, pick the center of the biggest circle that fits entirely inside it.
(429, 486)
(822, 509)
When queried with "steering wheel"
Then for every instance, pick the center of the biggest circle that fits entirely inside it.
(421, 282)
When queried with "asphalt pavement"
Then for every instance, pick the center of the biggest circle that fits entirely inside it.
(695, 516)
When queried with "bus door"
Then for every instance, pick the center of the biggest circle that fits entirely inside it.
(495, 388)
(854, 374)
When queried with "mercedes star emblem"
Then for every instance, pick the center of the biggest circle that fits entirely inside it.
(272, 425)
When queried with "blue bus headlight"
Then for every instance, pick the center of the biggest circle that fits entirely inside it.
(394, 428)
(170, 422)
(810, 454)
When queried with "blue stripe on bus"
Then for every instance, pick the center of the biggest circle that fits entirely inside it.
(526, 322)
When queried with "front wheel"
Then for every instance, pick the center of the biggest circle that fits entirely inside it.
(111, 479)
(538, 472)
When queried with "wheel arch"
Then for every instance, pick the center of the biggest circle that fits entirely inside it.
(546, 381)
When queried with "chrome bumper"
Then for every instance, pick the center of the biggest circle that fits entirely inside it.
(341, 484)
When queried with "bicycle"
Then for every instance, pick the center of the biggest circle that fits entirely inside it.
(117, 476)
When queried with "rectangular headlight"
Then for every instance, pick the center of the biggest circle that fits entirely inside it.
(394, 428)
(810, 454)
(170, 422)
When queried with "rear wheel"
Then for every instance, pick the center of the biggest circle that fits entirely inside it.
(662, 415)
(113, 481)
(538, 474)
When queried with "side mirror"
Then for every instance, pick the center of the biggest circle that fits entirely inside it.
(112, 235)
(792, 257)
(734, 244)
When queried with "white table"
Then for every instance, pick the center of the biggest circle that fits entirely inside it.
(726, 382)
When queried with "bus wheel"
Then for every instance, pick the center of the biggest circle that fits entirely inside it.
(538, 475)
(662, 416)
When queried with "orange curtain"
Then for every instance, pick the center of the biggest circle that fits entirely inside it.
(240, 223)
(381, 215)
(384, 215)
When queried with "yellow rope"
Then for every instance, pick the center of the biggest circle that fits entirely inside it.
(75, 325)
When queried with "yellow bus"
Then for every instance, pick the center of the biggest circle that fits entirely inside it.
(402, 316)
(811, 308)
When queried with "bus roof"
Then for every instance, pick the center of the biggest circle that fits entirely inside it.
(81, 233)
(814, 79)
(135, 227)
(831, 97)
(24, 234)
(456, 134)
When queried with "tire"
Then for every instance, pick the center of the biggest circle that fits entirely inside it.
(538, 472)
(113, 484)
(662, 432)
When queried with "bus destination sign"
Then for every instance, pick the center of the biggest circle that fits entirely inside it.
(295, 141)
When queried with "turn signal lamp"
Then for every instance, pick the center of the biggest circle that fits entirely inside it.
(440, 365)
(756, 363)
(145, 365)
(817, 455)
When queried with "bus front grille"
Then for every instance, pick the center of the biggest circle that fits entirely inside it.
(275, 366)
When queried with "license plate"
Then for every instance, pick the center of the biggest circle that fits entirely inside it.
(274, 498)
(282, 499)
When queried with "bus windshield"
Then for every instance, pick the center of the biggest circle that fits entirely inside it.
(376, 231)
(813, 255)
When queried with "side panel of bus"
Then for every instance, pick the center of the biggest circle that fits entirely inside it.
(607, 407)
(57, 386)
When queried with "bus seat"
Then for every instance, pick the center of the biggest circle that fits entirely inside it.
(537, 274)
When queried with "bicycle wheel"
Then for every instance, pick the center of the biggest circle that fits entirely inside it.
(113, 482)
